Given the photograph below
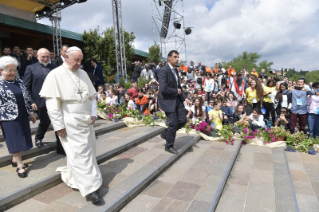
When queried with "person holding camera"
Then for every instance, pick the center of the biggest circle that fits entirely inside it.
(152, 101)
(263, 74)
(299, 105)
(283, 118)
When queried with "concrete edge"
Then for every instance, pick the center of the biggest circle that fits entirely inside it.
(291, 183)
(120, 149)
(223, 182)
(35, 151)
(146, 181)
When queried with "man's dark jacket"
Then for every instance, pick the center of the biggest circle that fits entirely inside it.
(34, 77)
(168, 93)
(58, 61)
(98, 72)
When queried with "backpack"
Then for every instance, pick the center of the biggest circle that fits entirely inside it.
(199, 80)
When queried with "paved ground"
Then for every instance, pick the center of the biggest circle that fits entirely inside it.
(189, 184)
(259, 181)
(304, 169)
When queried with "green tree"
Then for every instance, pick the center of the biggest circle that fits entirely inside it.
(154, 53)
(312, 76)
(102, 45)
(249, 61)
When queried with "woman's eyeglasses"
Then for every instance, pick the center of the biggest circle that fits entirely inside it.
(283, 111)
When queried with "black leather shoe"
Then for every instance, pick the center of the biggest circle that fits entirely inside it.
(163, 134)
(38, 143)
(95, 197)
(23, 174)
(15, 164)
(171, 150)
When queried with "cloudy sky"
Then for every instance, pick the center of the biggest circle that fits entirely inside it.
(283, 31)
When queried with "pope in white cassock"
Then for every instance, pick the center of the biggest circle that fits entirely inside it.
(71, 104)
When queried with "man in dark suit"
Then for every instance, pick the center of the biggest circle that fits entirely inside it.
(201, 67)
(87, 66)
(170, 100)
(35, 75)
(52, 56)
(30, 59)
(21, 59)
(60, 60)
(97, 71)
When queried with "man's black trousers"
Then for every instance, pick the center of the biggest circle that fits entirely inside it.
(43, 127)
(176, 120)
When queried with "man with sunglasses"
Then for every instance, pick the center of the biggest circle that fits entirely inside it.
(283, 119)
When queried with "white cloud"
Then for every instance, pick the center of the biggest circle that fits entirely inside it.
(285, 32)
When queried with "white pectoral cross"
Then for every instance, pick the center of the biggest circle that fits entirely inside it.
(80, 92)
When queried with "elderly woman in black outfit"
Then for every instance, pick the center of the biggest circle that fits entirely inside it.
(15, 111)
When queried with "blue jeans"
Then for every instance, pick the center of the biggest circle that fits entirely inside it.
(208, 94)
(313, 125)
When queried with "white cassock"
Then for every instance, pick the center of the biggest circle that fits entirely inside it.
(70, 109)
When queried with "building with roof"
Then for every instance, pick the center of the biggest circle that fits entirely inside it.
(18, 26)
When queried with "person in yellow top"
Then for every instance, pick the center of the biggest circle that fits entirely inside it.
(268, 104)
(183, 67)
(103, 98)
(254, 72)
(216, 116)
(254, 96)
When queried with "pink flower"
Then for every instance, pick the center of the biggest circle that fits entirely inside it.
(273, 139)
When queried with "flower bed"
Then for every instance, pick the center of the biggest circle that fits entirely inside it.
(270, 137)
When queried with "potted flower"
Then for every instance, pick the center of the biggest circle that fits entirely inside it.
(296, 138)
(117, 117)
(267, 135)
(279, 132)
(228, 133)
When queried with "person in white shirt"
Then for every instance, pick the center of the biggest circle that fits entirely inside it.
(256, 120)
(209, 85)
(147, 73)
(198, 111)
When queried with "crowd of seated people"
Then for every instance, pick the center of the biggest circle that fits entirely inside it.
(224, 96)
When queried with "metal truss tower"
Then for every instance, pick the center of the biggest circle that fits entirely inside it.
(55, 19)
(119, 38)
(169, 26)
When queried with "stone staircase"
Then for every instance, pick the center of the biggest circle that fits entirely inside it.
(138, 175)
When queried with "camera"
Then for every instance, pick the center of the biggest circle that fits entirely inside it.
(298, 88)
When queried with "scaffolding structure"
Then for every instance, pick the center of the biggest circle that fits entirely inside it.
(52, 10)
(55, 19)
(119, 38)
(166, 15)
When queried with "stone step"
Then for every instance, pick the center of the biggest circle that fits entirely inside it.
(304, 170)
(259, 181)
(42, 174)
(101, 127)
(194, 183)
(124, 176)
